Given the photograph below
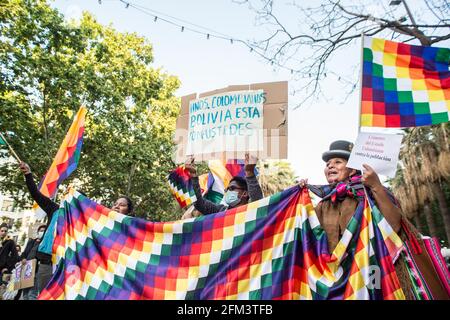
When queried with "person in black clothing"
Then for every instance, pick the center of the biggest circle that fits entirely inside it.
(44, 266)
(239, 192)
(8, 252)
(44, 260)
(30, 253)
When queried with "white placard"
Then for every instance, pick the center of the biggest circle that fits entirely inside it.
(230, 121)
(378, 150)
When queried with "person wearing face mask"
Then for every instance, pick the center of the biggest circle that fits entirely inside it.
(30, 253)
(240, 191)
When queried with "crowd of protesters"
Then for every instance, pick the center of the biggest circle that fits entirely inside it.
(333, 215)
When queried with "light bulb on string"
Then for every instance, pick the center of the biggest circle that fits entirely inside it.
(182, 28)
(207, 36)
(156, 18)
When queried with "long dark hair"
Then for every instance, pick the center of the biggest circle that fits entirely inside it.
(129, 204)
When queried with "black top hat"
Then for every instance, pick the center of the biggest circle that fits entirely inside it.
(338, 149)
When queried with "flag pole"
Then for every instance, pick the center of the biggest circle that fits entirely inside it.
(10, 148)
(361, 82)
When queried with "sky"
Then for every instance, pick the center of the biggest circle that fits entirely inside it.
(204, 65)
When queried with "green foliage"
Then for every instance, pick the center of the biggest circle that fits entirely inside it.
(50, 68)
(22, 240)
(275, 176)
(17, 224)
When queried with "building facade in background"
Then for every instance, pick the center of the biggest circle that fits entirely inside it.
(22, 222)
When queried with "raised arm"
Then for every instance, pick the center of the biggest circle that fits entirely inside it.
(44, 202)
(254, 189)
(391, 212)
(202, 205)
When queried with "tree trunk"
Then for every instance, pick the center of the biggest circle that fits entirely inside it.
(430, 220)
(443, 207)
(130, 178)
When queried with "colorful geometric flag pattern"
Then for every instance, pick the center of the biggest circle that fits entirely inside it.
(212, 184)
(273, 248)
(65, 161)
(404, 85)
(181, 186)
(236, 168)
(420, 288)
(67, 157)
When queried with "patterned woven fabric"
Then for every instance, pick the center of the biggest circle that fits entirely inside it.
(66, 159)
(404, 85)
(434, 250)
(236, 167)
(181, 186)
(212, 184)
(352, 188)
(420, 288)
(273, 248)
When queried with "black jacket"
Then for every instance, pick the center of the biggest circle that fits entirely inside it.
(47, 205)
(30, 250)
(8, 255)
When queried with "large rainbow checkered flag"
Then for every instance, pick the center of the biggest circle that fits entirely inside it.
(273, 248)
(65, 161)
(404, 85)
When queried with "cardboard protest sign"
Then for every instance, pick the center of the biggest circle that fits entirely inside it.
(24, 275)
(245, 116)
(231, 121)
(378, 150)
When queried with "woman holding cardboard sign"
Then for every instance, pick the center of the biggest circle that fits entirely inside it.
(335, 211)
(418, 269)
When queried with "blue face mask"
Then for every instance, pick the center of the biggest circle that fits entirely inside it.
(231, 198)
